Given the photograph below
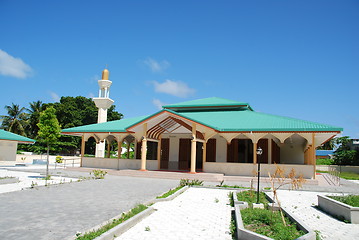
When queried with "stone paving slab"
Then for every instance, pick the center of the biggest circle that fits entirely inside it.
(302, 204)
(59, 211)
(198, 213)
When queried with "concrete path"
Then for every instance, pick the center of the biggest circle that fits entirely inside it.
(198, 213)
(302, 205)
(59, 211)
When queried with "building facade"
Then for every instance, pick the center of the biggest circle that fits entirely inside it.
(213, 135)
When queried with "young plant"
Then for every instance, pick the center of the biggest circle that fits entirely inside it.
(98, 174)
(279, 177)
(188, 182)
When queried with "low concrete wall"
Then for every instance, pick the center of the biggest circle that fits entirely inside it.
(114, 163)
(248, 169)
(338, 209)
(338, 168)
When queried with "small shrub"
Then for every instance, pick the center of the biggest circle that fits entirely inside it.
(188, 182)
(147, 229)
(59, 159)
(98, 174)
(48, 177)
(231, 201)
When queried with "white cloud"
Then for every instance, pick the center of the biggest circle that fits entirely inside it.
(13, 67)
(156, 66)
(55, 97)
(158, 103)
(175, 88)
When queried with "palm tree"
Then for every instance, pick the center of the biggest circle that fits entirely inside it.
(34, 111)
(16, 120)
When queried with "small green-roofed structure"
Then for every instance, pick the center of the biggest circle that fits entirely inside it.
(212, 135)
(5, 135)
(8, 144)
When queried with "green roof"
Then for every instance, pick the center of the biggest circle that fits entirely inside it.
(5, 135)
(220, 114)
(207, 102)
(112, 126)
(246, 120)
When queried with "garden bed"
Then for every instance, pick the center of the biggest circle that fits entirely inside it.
(337, 206)
(254, 223)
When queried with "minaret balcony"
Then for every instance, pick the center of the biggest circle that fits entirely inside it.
(104, 103)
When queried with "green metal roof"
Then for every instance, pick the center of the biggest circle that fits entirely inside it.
(113, 126)
(210, 112)
(207, 102)
(5, 135)
(246, 120)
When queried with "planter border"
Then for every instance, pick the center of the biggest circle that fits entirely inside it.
(243, 233)
(338, 209)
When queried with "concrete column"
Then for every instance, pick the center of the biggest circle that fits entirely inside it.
(144, 148)
(313, 155)
(193, 149)
(254, 152)
(82, 149)
(159, 155)
(269, 151)
(193, 156)
(143, 154)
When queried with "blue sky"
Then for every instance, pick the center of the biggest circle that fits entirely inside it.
(292, 58)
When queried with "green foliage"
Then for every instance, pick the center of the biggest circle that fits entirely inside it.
(250, 196)
(352, 200)
(349, 175)
(343, 155)
(170, 192)
(329, 145)
(268, 223)
(188, 182)
(125, 216)
(231, 186)
(49, 128)
(98, 174)
(231, 201)
(325, 161)
(16, 119)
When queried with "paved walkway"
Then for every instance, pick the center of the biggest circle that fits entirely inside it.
(198, 213)
(302, 205)
(28, 180)
(59, 211)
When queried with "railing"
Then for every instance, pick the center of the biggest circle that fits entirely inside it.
(68, 161)
(334, 175)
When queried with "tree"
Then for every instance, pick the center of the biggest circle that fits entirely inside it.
(329, 145)
(34, 110)
(344, 155)
(16, 120)
(49, 131)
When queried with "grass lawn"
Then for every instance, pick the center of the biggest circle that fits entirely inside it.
(324, 161)
(250, 196)
(352, 200)
(345, 175)
(268, 223)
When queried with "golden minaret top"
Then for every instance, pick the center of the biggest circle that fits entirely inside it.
(105, 74)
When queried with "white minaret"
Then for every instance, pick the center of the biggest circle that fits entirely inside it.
(103, 102)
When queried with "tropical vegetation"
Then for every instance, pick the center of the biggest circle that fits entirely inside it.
(69, 111)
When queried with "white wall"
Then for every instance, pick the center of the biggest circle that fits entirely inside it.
(114, 163)
(221, 149)
(8, 150)
(247, 169)
(292, 154)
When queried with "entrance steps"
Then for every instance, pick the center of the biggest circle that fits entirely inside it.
(207, 177)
